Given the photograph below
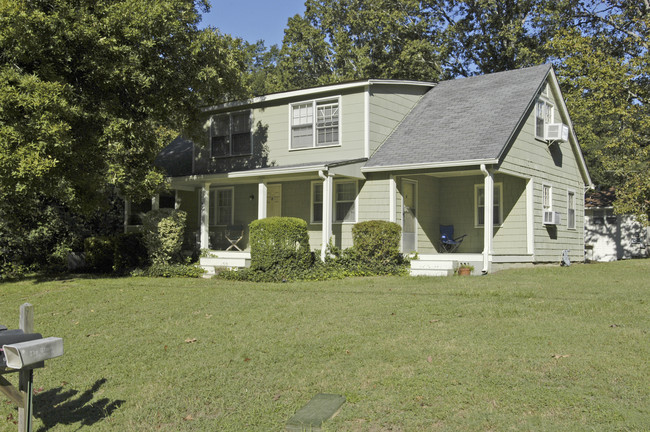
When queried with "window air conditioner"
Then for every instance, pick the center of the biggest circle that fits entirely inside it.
(552, 218)
(556, 132)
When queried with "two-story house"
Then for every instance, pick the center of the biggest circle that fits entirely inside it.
(494, 155)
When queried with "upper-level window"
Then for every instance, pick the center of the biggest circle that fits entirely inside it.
(547, 198)
(315, 124)
(543, 116)
(230, 134)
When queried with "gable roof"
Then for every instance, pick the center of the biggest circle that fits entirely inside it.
(466, 120)
(602, 198)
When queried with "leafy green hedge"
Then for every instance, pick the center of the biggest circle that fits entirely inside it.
(375, 252)
(170, 270)
(163, 235)
(376, 245)
(130, 252)
(279, 245)
(100, 252)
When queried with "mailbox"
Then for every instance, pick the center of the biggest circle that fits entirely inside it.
(23, 354)
(10, 337)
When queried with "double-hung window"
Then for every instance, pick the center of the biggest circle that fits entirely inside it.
(345, 196)
(345, 193)
(571, 210)
(479, 205)
(547, 198)
(222, 206)
(317, 202)
(543, 116)
(230, 134)
(315, 124)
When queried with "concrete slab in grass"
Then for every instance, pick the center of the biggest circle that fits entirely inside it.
(318, 410)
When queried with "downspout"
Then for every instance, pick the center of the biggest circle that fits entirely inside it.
(486, 246)
(326, 223)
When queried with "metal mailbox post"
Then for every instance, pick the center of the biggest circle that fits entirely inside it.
(23, 351)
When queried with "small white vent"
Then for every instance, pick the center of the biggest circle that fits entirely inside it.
(556, 132)
(552, 218)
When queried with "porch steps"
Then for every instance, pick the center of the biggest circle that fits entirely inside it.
(429, 267)
(224, 259)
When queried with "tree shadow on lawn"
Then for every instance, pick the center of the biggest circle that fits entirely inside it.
(57, 406)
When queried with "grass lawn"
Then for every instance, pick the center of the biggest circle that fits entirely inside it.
(539, 349)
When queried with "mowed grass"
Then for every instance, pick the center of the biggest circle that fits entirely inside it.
(543, 349)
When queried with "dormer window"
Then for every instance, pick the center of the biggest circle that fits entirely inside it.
(230, 134)
(315, 124)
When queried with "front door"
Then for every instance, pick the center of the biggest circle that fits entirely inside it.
(409, 220)
(274, 200)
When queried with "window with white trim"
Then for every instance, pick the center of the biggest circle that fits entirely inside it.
(543, 116)
(547, 197)
(479, 205)
(345, 195)
(230, 134)
(317, 202)
(221, 201)
(571, 210)
(319, 130)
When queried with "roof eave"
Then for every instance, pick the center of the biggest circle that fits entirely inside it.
(430, 165)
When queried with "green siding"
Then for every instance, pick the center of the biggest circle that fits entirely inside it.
(190, 204)
(389, 104)
(558, 166)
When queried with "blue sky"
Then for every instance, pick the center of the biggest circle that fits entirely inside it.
(252, 20)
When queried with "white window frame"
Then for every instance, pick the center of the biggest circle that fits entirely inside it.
(315, 103)
(498, 188)
(312, 202)
(355, 202)
(571, 205)
(214, 206)
(230, 134)
(547, 115)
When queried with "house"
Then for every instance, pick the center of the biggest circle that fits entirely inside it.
(495, 156)
(611, 237)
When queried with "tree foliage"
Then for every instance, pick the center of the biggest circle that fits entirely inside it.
(337, 40)
(91, 91)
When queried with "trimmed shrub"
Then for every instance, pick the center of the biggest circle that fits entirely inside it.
(377, 241)
(163, 235)
(170, 271)
(99, 254)
(280, 244)
(130, 252)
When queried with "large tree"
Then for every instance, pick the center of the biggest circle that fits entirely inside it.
(91, 90)
(336, 40)
(604, 67)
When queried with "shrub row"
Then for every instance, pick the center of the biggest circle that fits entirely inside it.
(118, 254)
(280, 252)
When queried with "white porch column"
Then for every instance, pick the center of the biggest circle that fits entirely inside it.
(328, 191)
(392, 199)
(530, 217)
(205, 216)
(488, 217)
(261, 200)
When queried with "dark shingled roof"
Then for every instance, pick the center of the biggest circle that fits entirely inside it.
(464, 119)
(176, 158)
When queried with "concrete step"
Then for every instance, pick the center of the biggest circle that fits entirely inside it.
(430, 272)
(219, 261)
(421, 264)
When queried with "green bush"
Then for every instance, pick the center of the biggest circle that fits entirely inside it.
(130, 252)
(170, 271)
(163, 235)
(280, 245)
(376, 246)
(100, 253)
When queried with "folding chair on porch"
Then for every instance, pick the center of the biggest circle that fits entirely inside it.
(447, 241)
(234, 234)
